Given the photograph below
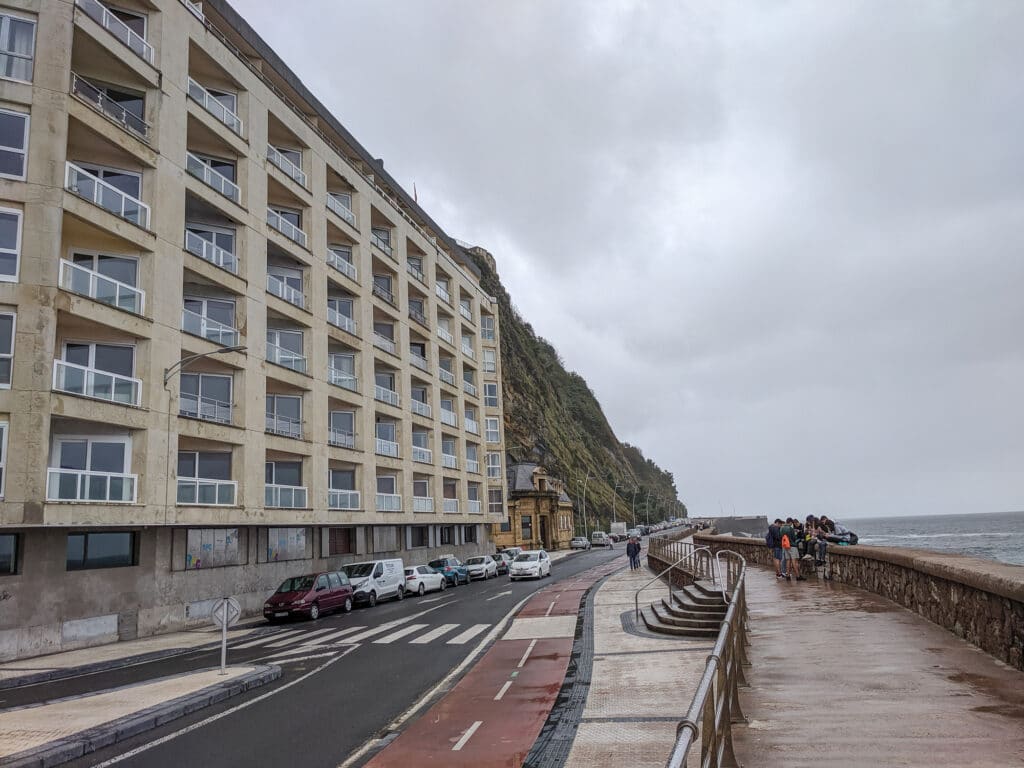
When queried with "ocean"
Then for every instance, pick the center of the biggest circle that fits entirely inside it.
(992, 536)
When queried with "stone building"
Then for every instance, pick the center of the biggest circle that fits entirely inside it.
(540, 513)
(232, 347)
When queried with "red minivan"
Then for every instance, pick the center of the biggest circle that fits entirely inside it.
(309, 595)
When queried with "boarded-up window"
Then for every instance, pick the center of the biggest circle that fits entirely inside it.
(340, 541)
(211, 548)
(286, 544)
(385, 538)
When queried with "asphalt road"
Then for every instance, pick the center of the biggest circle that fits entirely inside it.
(334, 693)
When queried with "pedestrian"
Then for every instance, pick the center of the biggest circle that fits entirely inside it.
(633, 552)
(789, 549)
(774, 541)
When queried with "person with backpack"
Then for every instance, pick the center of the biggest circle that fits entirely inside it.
(789, 549)
(774, 541)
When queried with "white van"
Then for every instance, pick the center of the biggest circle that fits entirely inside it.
(376, 579)
(600, 539)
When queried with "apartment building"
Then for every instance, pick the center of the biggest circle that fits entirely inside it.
(232, 348)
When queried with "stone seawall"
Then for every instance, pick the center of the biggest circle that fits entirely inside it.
(981, 601)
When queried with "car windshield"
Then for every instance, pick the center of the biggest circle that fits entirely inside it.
(358, 570)
(297, 584)
(437, 563)
(474, 561)
(526, 557)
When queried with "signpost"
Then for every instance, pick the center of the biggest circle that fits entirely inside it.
(224, 614)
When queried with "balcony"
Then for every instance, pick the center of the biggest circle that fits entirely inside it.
(207, 251)
(99, 385)
(338, 320)
(449, 417)
(106, 196)
(90, 487)
(346, 268)
(284, 426)
(285, 357)
(448, 461)
(386, 448)
(285, 496)
(383, 342)
(446, 376)
(473, 466)
(335, 204)
(94, 97)
(383, 293)
(208, 328)
(416, 273)
(342, 499)
(382, 243)
(419, 361)
(472, 425)
(467, 350)
(289, 168)
(385, 395)
(203, 97)
(444, 335)
(277, 286)
(343, 379)
(442, 293)
(102, 16)
(285, 227)
(475, 507)
(207, 493)
(211, 178)
(466, 312)
(494, 472)
(422, 504)
(389, 502)
(419, 317)
(421, 409)
(469, 387)
(341, 439)
(422, 455)
(205, 408)
(86, 282)
(451, 506)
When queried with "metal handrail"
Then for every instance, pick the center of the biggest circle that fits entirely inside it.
(676, 564)
(730, 572)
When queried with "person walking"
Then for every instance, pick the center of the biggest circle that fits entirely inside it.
(774, 541)
(789, 549)
(633, 552)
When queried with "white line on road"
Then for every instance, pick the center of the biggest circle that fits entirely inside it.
(408, 630)
(468, 635)
(264, 638)
(392, 624)
(433, 634)
(467, 735)
(504, 688)
(288, 660)
(305, 636)
(525, 655)
(333, 636)
(500, 594)
(430, 600)
(550, 607)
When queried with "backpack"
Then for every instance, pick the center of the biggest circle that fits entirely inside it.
(785, 541)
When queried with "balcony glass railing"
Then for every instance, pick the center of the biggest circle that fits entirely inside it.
(419, 361)
(450, 505)
(442, 293)
(449, 417)
(445, 335)
(469, 388)
(417, 273)
(92, 382)
(472, 425)
(210, 493)
(468, 352)
(422, 504)
(422, 455)
(381, 292)
(212, 178)
(446, 376)
(97, 98)
(466, 312)
(421, 409)
(473, 466)
(277, 286)
(386, 395)
(284, 426)
(207, 251)
(335, 204)
(383, 342)
(285, 227)
(381, 242)
(285, 496)
(91, 487)
(285, 357)
(341, 378)
(341, 439)
(106, 196)
(448, 461)
(290, 169)
(342, 499)
(338, 320)
(419, 317)
(386, 447)
(475, 507)
(207, 101)
(346, 268)
(389, 502)
(205, 408)
(86, 282)
(102, 16)
(208, 328)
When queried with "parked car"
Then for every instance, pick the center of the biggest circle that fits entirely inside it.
(481, 567)
(503, 560)
(376, 579)
(454, 571)
(579, 542)
(423, 578)
(512, 552)
(309, 595)
(531, 564)
(634, 533)
(600, 539)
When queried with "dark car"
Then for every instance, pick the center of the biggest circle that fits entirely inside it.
(454, 571)
(309, 596)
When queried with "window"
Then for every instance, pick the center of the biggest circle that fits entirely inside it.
(112, 358)
(289, 341)
(421, 487)
(386, 330)
(10, 243)
(494, 466)
(472, 452)
(220, 310)
(419, 394)
(491, 396)
(495, 503)
(4, 427)
(386, 430)
(506, 526)
(205, 465)
(284, 415)
(469, 534)
(487, 327)
(292, 155)
(421, 438)
(527, 527)
(384, 380)
(340, 541)
(225, 168)
(381, 235)
(419, 536)
(343, 426)
(283, 473)
(226, 98)
(220, 237)
(6, 348)
(386, 484)
(490, 360)
(473, 491)
(416, 264)
(385, 538)
(8, 553)
(136, 22)
(113, 549)
(124, 269)
(345, 198)
(17, 47)
(448, 445)
(343, 252)
(342, 479)
(293, 217)
(97, 468)
(129, 182)
(211, 548)
(13, 143)
(341, 305)
(447, 534)
(205, 396)
(493, 433)
(285, 543)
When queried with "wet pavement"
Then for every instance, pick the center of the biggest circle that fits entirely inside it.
(843, 677)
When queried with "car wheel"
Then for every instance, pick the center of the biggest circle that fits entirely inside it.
(421, 590)
(444, 584)
(314, 612)
(372, 599)
(348, 605)
(401, 592)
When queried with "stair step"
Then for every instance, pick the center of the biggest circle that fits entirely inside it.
(654, 624)
(708, 589)
(674, 609)
(694, 595)
(665, 617)
(685, 600)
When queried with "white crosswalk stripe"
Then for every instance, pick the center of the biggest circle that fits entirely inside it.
(385, 634)
(266, 638)
(303, 636)
(433, 634)
(333, 636)
(399, 634)
(468, 635)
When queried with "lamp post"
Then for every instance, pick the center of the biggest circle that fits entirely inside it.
(587, 535)
(614, 497)
(647, 506)
(637, 488)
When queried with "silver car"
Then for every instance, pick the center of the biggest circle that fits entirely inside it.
(482, 567)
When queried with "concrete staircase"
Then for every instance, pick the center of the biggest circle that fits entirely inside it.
(696, 610)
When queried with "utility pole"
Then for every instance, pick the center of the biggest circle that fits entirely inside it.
(634, 503)
(585, 505)
(648, 507)
(616, 493)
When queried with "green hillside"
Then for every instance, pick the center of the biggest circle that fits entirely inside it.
(553, 418)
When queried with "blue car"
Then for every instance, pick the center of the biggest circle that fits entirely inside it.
(454, 572)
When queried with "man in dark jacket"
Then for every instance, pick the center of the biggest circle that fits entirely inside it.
(633, 552)
(774, 542)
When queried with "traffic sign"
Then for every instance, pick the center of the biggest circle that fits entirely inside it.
(227, 607)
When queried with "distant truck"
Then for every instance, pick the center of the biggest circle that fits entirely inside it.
(618, 529)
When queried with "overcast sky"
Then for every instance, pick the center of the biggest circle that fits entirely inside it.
(782, 241)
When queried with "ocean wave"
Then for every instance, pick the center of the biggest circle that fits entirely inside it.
(888, 536)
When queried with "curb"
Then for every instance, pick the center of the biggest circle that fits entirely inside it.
(82, 743)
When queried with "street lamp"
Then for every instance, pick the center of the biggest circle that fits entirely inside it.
(615, 496)
(587, 535)
(647, 506)
(637, 488)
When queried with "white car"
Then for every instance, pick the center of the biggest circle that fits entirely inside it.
(482, 567)
(423, 578)
(530, 564)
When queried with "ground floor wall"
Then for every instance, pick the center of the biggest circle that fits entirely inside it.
(60, 596)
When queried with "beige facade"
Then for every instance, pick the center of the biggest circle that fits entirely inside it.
(540, 513)
(237, 349)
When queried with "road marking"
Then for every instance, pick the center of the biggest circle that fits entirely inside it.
(333, 636)
(264, 638)
(400, 633)
(431, 600)
(500, 594)
(289, 660)
(550, 607)
(434, 634)
(504, 688)
(467, 735)
(290, 640)
(528, 650)
(468, 635)
(392, 624)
